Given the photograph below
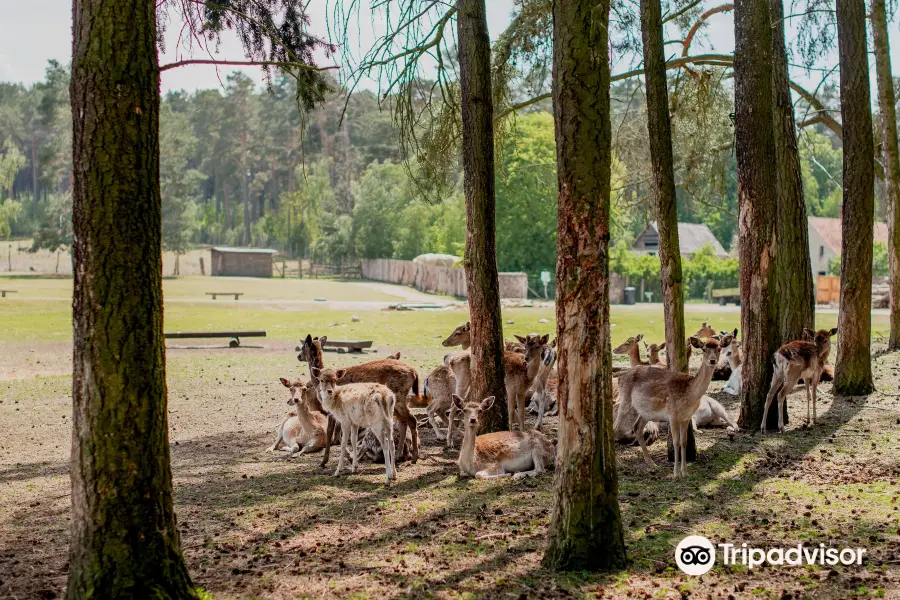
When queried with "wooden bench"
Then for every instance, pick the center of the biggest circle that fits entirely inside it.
(344, 346)
(236, 295)
(3, 293)
(727, 295)
(234, 335)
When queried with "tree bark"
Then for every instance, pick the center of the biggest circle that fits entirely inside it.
(244, 190)
(586, 527)
(660, 131)
(482, 278)
(853, 370)
(891, 156)
(755, 153)
(796, 300)
(34, 177)
(125, 543)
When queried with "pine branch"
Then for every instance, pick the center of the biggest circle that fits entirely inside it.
(245, 63)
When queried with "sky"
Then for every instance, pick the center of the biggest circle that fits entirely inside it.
(35, 31)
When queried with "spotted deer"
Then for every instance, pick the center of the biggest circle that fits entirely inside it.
(794, 361)
(662, 395)
(518, 454)
(519, 373)
(356, 405)
(303, 430)
(398, 376)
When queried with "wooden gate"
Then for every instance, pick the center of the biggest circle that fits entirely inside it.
(828, 289)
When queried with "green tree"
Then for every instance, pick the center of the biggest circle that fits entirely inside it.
(179, 182)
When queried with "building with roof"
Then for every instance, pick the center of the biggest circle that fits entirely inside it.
(241, 262)
(691, 237)
(825, 241)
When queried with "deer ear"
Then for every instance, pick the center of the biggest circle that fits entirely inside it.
(284, 382)
(486, 403)
(809, 332)
(553, 343)
(316, 372)
(726, 341)
(832, 332)
(520, 338)
(308, 340)
(468, 325)
(340, 373)
(735, 332)
(545, 339)
(661, 346)
(457, 401)
(646, 345)
(322, 340)
(695, 342)
(639, 337)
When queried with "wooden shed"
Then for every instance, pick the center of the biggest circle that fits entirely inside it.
(242, 262)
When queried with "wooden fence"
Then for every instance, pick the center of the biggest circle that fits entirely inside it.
(828, 289)
(436, 280)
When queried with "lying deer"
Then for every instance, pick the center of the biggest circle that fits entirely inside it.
(658, 395)
(796, 360)
(398, 376)
(503, 453)
(356, 405)
(632, 349)
(711, 413)
(653, 355)
(302, 431)
(519, 373)
(735, 380)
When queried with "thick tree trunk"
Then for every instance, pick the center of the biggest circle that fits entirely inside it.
(796, 298)
(660, 131)
(586, 528)
(482, 279)
(853, 370)
(125, 543)
(755, 152)
(891, 156)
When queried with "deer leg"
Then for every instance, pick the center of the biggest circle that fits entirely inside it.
(790, 381)
(675, 434)
(329, 434)
(430, 411)
(683, 435)
(639, 427)
(493, 473)
(719, 411)
(815, 388)
(538, 462)
(450, 426)
(354, 445)
(777, 380)
(345, 438)
(541, 409)
(808, 401)
(520, 401)
(510, 408)
(387, 447)
(402, 421)
(414, 425)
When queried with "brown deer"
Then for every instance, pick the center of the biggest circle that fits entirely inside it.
(462, 336)
(519, 373)
(794, 361)
(398, 376)
(503, 453)
(358, 405)
(735, 380)
(653, 358)
(438, 391)
(302, 431)
(539, 393)
(632, 349)
(658, 395)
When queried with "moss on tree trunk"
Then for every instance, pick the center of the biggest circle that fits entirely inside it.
(125, 543)
(586, 527)
(853, 369)
(887, 104)
(482, 278)
(755, 153)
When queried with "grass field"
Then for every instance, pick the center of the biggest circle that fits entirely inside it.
(255, 525)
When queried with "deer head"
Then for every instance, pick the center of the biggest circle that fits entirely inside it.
(705, 331)
(628, 346)
(822, 339)
(460, 336)
(311, 351)
(653, 351)
(295, 389)
(711, 348)
(472, 411)
(328, 381)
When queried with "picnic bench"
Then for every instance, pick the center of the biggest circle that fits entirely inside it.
(347, 346)
(234, 335)
(727, 295)
(235, 294)
(3, 293)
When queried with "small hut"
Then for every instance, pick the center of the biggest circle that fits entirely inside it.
(242, 262)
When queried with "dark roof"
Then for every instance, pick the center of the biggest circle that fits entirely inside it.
(229, 250)
(692, 237)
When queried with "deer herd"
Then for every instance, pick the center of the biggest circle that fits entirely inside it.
(377, 397)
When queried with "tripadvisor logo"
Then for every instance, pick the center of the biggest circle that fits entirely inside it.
(696, 555)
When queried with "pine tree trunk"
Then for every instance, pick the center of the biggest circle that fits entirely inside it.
(244, 190)
(853, 369)
(586, 528)
(755, 152)
(34, 178)
(125, 542)
(891, 156)
(482, 278)
(660, 131)
(796, 299)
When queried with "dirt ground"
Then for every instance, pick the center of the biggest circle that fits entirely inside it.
(257, 525)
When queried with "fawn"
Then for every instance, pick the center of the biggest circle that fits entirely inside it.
(398, 376)
(658, 395)
(538, 392)
(503, 453)
(357, 405)
(653, 358)
(302, 431)
(796, 360)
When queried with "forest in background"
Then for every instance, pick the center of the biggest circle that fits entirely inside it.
(240, 165)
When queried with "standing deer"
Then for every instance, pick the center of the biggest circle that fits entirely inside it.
(302, 431)
(462, 336)
(796, 360)
(538, 392)
(502, 453)
(438, 391)
(357, 405)
(398, 376)
(658, 395)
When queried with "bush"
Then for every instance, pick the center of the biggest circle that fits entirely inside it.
(697, 272)
(880, 267)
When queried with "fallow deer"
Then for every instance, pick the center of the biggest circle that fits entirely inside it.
(503, 453)
(438, 391)
(653, 358)
(631, 348)
(794, 361)
(462, 336)
(398, 376)
(658, 395)
(357, 405)
(519, 373)
(302, 431)
(735, 380)
(538, 392)
(711, 413)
